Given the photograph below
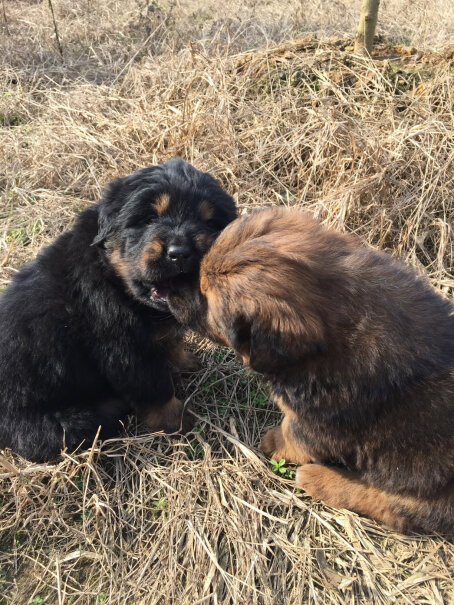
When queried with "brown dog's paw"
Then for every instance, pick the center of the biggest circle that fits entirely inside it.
(275, 445)
(312, 478)
(272, 443)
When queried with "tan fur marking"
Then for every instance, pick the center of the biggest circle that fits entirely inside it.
(161, 203)
(183, 360)
(206, 210)
(203, 241)
(119, 264)
(151, 252)
(279, 401)
(167, 417)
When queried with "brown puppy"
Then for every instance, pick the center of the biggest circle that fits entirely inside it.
(359, 351)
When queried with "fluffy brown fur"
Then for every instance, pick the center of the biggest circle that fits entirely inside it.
(359, 352)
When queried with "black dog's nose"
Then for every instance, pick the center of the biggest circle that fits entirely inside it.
(179, 253)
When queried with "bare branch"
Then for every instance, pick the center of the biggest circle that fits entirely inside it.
(57, 37)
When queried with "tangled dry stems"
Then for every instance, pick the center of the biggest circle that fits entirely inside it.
(366, 145)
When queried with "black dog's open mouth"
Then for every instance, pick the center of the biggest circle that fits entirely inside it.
(160, 292)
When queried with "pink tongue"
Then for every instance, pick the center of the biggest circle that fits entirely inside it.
(160, 292)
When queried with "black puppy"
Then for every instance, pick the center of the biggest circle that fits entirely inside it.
(85, 331)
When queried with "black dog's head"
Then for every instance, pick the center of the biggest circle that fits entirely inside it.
(157, 224)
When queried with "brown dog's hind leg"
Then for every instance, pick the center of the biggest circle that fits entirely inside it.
(278, 444)
(345, 489)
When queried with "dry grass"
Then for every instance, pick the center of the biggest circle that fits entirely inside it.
(368, 146)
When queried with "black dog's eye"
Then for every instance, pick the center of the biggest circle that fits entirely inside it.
(138, 222)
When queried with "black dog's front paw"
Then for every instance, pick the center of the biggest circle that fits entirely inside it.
(186, 303)
(170, 417)
(179, 308)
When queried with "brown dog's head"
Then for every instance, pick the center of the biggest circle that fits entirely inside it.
(265, 288)
(157, 224)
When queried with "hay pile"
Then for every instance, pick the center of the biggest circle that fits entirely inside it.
(368, 146)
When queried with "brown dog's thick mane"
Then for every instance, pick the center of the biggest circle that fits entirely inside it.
(317, 290)
(271, 274)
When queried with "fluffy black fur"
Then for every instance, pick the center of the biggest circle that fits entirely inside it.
(85, 332)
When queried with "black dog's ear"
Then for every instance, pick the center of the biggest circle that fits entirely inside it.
(115, 206)
(108, 210)
(270, 351)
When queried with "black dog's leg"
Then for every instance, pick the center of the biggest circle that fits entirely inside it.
(150, 389)
(164, 412)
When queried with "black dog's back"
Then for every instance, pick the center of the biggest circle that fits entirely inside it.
(51, 385)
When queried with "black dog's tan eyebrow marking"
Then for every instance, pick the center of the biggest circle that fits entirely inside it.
(161, 203)
(206, 210)
(203, 241)
(152, 251)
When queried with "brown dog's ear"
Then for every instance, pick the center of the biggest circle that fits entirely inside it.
(238, 332)
(271, 351)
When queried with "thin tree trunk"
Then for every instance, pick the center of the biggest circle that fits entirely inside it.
(364, 38)
(57, 37)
